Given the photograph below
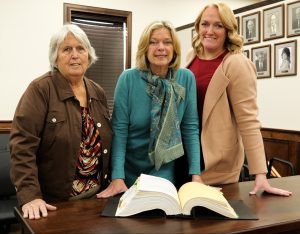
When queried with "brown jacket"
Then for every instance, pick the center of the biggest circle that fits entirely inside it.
(46, 134)
(230, 127)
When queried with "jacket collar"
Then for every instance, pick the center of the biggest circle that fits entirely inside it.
(216, 88)
(90, 87)
(65, 91)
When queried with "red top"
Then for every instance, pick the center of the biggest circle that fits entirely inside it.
(204, 71)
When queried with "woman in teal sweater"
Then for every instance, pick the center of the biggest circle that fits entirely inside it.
(155, 119)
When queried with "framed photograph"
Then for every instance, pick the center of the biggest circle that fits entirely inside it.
(293, 19)
(251, 28)
(273, 22)
(261, 57)
(285, 58)
(238, 24)
(246, 53)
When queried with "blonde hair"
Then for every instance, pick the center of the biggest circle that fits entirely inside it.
(141, 56)
(233, 42)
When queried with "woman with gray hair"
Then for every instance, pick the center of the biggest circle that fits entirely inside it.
(155, 113)
(61, 134)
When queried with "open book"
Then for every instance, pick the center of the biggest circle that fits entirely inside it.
(151, 192)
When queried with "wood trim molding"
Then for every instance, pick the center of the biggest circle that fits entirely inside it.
(237, 11)
(281, 134)
(184, 27)
(283, 144)
(255, 5)
(5, 126)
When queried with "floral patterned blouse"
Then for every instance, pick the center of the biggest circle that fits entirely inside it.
(87, 167)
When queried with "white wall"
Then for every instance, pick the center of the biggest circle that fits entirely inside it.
(27, 25)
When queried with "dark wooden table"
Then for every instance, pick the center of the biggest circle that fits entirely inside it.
(276, 215)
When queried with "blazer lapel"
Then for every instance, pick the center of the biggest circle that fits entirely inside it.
(216, 88)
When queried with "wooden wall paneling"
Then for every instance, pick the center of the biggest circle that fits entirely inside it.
(284, 144)
(5, 126)
(279, 149)
(295, 155)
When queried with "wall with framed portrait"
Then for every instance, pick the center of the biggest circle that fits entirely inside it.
(251, 28)
(273, 22)
(293, 19)
(246, 53)
(285, 58)
(261, 57)
(278, 81)
(278, 23)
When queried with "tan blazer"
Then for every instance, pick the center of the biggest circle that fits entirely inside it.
(230, 127)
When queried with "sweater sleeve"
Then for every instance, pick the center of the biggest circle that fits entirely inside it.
(242, 94)
(190, 125)
(120, 121)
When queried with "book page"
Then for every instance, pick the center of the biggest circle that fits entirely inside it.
(148, 193)
(196, 194)
(194, 189)
(126, 198)
(157, 184)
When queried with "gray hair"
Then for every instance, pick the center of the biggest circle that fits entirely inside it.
(59, 37)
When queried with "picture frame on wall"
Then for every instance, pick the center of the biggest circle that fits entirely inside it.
(238, 24)
(261, 57)
(273, 22)
(285, 60)
(246, 53)
(293, 19)
(251, 28)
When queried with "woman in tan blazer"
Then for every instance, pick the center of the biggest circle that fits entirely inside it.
(227, 107)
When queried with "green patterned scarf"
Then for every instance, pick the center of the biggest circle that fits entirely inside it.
(165, 135)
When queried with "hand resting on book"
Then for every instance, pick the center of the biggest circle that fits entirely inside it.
(115, 187)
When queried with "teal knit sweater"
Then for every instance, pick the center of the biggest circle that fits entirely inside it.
(131, 127)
